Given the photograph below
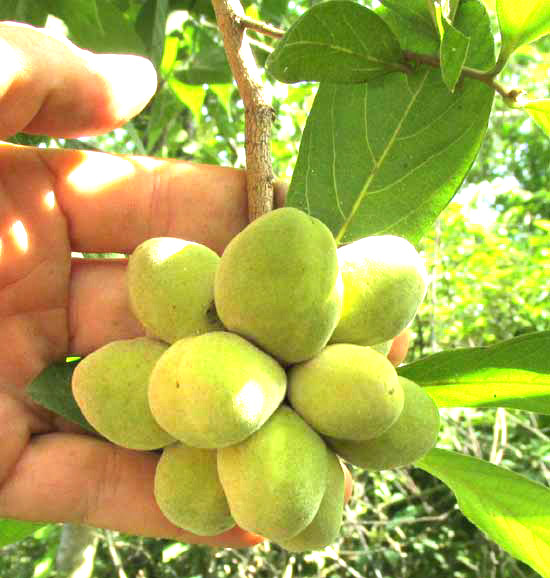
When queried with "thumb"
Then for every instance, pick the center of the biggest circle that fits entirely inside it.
(50, 86)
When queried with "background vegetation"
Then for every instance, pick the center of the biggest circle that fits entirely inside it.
(489, 261)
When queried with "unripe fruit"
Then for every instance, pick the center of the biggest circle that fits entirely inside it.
(347, 391)
(110, 387)
(385, 282)
(215, 389)
(275, 480)
(171, 288)
(189, 493)
(278, 284)
(413, 435)
(324, 528)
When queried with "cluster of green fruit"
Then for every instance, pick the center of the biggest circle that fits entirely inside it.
(259, 369)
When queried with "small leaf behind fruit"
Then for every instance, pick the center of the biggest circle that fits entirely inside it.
(511, 509)
(514, 374)
(336, 41)
(52, 390)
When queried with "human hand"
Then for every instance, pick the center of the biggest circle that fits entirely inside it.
(53, 202)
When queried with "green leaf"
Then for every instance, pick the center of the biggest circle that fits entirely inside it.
(191, 96)
(98, 25)
(453, 53)
(14, 530)
(412, 23)
(208, 63)
(521, 23)
(514, 374)
(52, 390)
(387, 156)
(151, 26)
(539, 111)
(511, 509)
(28, 11)
(336, 41)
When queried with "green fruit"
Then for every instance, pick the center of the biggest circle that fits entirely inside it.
(189, 493)
(385, 282)
(110, 387)
(215, 389)
(324, 528)
(171, 288)
(275, 480)
(347, 391)
(407, 440)
(278, 284)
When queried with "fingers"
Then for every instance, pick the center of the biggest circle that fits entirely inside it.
(49, 86)
(73, 478)
(113, 203)
(399, 348)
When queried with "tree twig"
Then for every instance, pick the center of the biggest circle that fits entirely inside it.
(485, 77)
(232, 23)
(261, 27)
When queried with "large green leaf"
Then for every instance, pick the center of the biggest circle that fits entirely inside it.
(514, 373)
(336, 41)
(14, 530)
(521, 23)
(52, 390)
(511, 509)
(387, 156)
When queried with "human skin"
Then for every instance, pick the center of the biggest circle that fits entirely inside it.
(52, 305)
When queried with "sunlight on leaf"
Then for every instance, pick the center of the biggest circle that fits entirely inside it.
(521, 23)
(514, 374)
(511, 509)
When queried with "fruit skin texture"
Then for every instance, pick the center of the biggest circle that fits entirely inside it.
(385, 282)
(171, 287)
(188, 490)
(324, 528)
(412, 436)
(275, 480)
(110, 387)
(347, 391)
(219, 390)
(278, 284)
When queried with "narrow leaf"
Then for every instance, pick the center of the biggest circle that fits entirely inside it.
(522, 22)
(336, 41)
(52, 390)
(514, 374)
(14, 530)
(151, 26)
(511, 509)
(387, 156)
(539, 111)
(453, 53)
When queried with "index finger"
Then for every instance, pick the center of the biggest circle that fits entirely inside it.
(50, 86)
